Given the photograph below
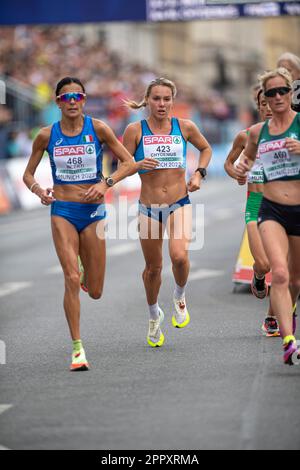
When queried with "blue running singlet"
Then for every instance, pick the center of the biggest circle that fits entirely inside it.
(76, 159)
(169, 150)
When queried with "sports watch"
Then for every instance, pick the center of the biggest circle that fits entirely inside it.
(109, 181)
(202, 172)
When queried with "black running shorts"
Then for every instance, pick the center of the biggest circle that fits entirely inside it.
(287, 216)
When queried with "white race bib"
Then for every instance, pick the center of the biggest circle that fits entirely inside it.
(256, 175)
(167, 149)
(75, 162)
(277, 161)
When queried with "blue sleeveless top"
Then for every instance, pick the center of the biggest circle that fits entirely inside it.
(76, 159)
(169, 150)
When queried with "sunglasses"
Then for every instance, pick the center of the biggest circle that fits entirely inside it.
(67, 97)
(281, 90)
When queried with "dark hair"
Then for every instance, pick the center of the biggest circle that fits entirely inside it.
(258, 96)
(68, 81)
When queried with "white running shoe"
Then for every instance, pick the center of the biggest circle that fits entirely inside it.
(155, 336)
(182, 316)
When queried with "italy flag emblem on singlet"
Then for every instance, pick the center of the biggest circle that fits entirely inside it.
(88, 138)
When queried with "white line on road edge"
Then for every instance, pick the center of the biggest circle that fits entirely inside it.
(122, 249)
(199, 274)
(205, 274)
(4, 408)
(118, 250)
(11, 287)
(54, 270)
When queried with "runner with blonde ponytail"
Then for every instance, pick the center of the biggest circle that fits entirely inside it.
(164, 200)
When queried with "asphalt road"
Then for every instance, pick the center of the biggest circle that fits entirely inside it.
(218, 384)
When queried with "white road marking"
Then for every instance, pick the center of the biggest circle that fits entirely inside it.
(54, 270)
(12, 287)
(122, 249)
(4, 408)
(205, 274)
(117, 250)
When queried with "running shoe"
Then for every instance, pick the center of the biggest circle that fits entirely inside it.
(81, 271)
(182, 316)
(79, 362)
(155, 336)
(291, 353)
(270, 327)
(294, 318)
(259, 287)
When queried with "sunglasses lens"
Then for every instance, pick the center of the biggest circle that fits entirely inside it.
(284, 90)
(66, 97)
(280, 90)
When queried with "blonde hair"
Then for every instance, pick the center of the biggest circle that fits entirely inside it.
(279, 72)
(157, 82)
(291, 58)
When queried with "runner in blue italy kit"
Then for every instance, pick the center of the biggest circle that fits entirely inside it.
(75, 150)
(164, 201)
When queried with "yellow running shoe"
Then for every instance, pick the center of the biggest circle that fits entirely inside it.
(182, 317)
(155, 336)
(79, 362)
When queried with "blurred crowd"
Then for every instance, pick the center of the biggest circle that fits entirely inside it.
(38, 57)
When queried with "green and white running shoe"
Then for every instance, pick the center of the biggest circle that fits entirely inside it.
(79, 362)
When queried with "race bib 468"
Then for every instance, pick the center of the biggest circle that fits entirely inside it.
(75, 162)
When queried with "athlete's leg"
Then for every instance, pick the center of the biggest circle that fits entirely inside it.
(261, 264)
(294, 267)
(151, 238)
(93, 257)
(276, 244)
(66, 241)
(179, 228)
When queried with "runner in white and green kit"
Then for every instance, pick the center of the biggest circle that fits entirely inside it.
(278, 143)
(255, 186)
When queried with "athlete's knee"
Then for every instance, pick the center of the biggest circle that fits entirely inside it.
(179, 259)
(72, 280)
(96, 294)
(280, 276)
(152, 271)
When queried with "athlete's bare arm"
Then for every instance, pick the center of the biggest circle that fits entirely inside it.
(238, 146)
(248, 156)
(39, 146)
(192, 134)
(126, 165)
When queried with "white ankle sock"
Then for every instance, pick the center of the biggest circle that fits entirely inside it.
(154, 311)
(179, 292)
